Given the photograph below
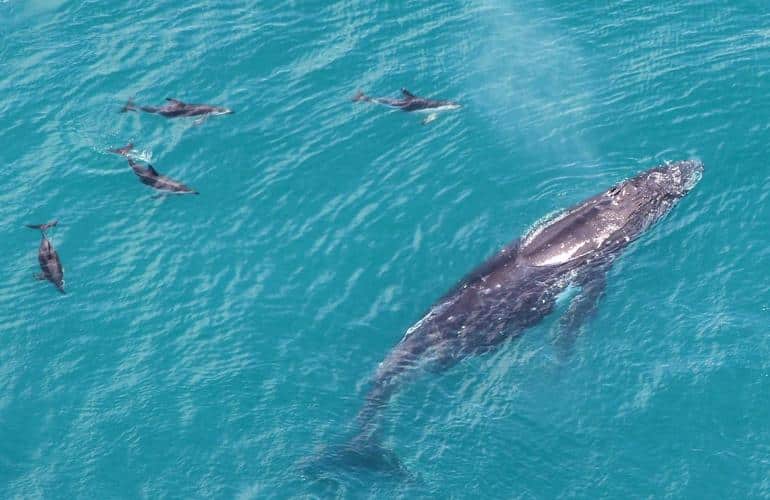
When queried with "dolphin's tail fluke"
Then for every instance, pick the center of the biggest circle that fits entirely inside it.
(124, 150)
(360, 96)
(43, 227)
(129, 106)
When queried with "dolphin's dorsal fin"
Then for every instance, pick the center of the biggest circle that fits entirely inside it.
(152, 170)
(408, 94)
(175, 101)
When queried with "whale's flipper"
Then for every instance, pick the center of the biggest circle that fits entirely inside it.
(408, 94)
(43, 227)
(153, 171)
(581, 309)
(129, 106)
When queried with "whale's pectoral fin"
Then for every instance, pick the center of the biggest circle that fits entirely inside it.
(580, 310)
(429, 118)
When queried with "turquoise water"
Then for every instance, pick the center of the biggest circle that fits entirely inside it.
(209, 344)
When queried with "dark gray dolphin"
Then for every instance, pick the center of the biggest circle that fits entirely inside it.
(49, 260)
(517, 288)
(149, 176)
(176, 108)
(411, 102)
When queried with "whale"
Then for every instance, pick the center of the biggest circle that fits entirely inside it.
(149, 176)
(411, 103)
(515, 289)
(50, 264)
(175, 108)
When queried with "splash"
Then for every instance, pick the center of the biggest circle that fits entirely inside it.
(533, 79)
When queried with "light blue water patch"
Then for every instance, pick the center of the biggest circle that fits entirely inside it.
(210, 344)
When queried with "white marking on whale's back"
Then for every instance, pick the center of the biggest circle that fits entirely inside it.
(600, 228)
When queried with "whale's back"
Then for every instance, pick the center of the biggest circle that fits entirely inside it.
(591, 228)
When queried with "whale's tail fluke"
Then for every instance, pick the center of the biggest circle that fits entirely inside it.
(43, 227)
(129, 106)
(124, 150)
(360, 96)
(362, 453)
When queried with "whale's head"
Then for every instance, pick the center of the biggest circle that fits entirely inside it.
(671, 180)
(611, 219)
(650, 195)
(666, 183)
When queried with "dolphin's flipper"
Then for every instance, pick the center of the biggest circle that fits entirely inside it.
(152, 170)
(201, 120)
(581, 309)
(407, 94)
(175, 101)
(431, 117)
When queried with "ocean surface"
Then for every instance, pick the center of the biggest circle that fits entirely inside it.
(209, 346)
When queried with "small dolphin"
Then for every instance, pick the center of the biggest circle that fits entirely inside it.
(48, 258)
(411, 102)
(176, 108)
(148, 175)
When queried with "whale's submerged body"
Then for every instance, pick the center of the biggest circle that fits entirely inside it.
(518, 287)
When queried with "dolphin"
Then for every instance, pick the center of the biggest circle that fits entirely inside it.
(148, 175)
(176, 108)
(412, 103)
(49, 260)
(517, 288)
